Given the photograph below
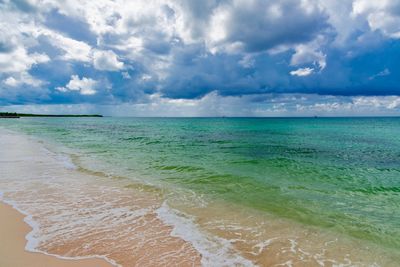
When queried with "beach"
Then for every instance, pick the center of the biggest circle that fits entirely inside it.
(79, 215)
(145, 193)
(12, 253)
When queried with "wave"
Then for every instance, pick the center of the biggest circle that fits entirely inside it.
(215, 251)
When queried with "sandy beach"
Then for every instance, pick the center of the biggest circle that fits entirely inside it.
(74, 214)
(13, 230)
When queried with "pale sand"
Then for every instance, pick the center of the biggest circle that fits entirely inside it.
(12, 243)
(79, 214)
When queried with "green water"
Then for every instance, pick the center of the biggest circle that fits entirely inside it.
(336, 173)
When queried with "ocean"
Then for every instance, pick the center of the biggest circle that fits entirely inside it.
(242, 191)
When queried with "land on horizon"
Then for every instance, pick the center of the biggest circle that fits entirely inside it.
(18, 115)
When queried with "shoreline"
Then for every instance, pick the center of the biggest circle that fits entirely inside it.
(76, 216)
(65, 219)
(13, 232)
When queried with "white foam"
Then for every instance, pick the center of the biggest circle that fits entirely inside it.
(66, 161)
(262, 245)
(215, 251)
(32, 237)
(61, 157)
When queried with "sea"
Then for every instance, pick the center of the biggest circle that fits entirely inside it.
(207, 191)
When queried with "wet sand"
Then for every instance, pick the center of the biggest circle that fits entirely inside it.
(75, 214)
(13, 230)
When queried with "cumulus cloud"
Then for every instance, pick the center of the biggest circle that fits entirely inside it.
(251, 105)
(11, 81)
(19, 60)
(388, 102)
(106, 60)
(22, 78)
(380, 15)
(186, 51)
(85, 86)
(73, 49)
(309, 54)
(261, 25)
(80, 51)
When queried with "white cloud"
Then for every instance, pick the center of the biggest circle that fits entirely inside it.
(106, 60)
(302, 72)
(247, 61)
(216, 105)
(11, 81)
(18, 60)
(81, 51)
(164, 43)
(388, 102)
(71, 48)
(85, 86)
(340, 19)
(74, 50)
(349, 106)
(22, 78)
(380, 15)
(309, 54)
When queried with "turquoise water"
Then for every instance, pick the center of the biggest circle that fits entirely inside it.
(336, 173)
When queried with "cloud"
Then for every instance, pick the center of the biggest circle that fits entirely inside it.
(22, 78)
(11, 81)
(126, 75)
(309, 54)
(85, 86)
(380, 15)
(106, 60)
(215, 105)
(382, 73)
(302, 72)
(255, 26)
(388, 102)
(19, 60)
(189, 51)
(73, 49)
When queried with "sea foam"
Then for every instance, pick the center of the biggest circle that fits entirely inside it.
(215, 251)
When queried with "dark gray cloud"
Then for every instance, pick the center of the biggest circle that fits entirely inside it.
(70, 26)
(263, 25)
(138, 51)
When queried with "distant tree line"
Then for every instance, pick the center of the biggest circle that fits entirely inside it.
(9, 115)
(17, 115)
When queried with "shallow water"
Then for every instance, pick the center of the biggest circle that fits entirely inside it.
(253, 191)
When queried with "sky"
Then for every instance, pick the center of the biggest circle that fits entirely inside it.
(201, 58)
